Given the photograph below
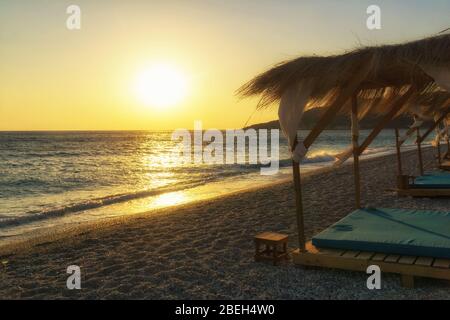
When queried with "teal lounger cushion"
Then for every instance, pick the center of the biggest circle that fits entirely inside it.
(433, 180)
(394, 231)
(439, 173)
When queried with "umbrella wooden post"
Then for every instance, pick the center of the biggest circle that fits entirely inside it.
(430, 130)
(419, 150)
(399, 155)
(439, 150)
(346, 92)
(397, 105)
(421, 139)
(448, 149)
(355, 137)
(299, 203)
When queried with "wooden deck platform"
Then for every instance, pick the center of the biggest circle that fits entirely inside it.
(407, 267)
(424, 193)
(406, 188)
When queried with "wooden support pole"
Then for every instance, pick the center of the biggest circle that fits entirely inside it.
(355, 137)
(397, 105)
(419, 150)
(439, 150)
(447, 139)
(421, 139)
(407, 134)
(326, 118)
(399, 154)
(346, 93)
(299, 202)
(447, 155)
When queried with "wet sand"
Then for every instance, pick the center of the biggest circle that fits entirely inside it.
(205, 250)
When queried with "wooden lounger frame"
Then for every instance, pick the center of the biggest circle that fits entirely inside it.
(308, 255)
(423, 193)
(408, 267)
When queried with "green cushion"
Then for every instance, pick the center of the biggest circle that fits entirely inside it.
(393, 231)
(433, 180)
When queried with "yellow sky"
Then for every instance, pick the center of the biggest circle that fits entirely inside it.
(55, 79)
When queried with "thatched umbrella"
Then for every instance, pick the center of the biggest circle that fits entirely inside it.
(394, 66)
(383, 79)
(431, 106)
(424, 107)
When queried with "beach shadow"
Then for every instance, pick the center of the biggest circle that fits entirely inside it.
(387, 216)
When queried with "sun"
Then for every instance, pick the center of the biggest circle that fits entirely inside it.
(160, 85)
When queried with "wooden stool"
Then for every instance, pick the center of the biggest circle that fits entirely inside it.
(275, 247)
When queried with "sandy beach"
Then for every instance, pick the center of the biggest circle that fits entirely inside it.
(205, 250)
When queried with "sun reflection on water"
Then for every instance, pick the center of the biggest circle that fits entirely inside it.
(170, 199)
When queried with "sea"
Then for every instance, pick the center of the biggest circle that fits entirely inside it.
(49, 179)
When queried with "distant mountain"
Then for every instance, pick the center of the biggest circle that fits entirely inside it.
(341, 122)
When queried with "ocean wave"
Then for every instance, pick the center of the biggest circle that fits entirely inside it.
(371, 151)
(197, 176)
(24, 182)
(33, 216)
(320, 157)
(14, 154)
(316, 158)
(226, 171)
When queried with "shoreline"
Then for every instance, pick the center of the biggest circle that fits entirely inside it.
(47, 235)
(56, 233)
(92, 207)
(204, 250)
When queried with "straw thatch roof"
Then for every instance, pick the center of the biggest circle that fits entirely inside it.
(391, 69)
(426, 104)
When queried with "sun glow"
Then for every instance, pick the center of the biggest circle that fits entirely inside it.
(161, 85)
(170, 199)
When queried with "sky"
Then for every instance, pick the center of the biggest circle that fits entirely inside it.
(52, 78)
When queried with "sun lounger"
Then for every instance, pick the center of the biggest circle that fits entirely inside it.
(390, 231)
(433, 184)
(411, 243)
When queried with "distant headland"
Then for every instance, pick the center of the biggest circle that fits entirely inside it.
(342, 122)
